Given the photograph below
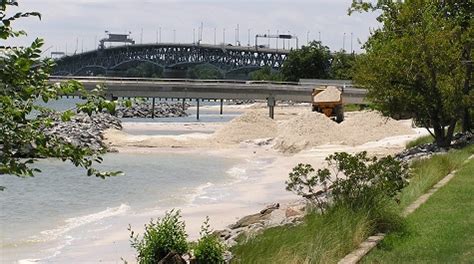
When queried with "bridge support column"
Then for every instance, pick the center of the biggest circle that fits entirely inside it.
(153, 108)
(271, 106)
(197, 109)
(184, 104)
(222, 106)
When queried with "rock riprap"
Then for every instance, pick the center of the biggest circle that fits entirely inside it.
(145, 110)
(84, 130)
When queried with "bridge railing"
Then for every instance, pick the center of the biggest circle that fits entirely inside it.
(151, 80)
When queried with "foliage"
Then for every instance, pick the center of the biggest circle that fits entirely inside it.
(342, 64)
(311, 61)
(417, 62)
(356, 180)
(160, 238)
(209, 249)
(419, 141)
(266, 74)
(143, 69)
(23, 84)
(204, 71)
(443, 223)
(319, 239)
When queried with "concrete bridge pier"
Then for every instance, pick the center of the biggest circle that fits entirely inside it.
(271, 106)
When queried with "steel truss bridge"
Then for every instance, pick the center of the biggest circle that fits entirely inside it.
(173, 58)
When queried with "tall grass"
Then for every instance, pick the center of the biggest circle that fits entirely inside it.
(428, 172)
(320, 239)
(420, 141)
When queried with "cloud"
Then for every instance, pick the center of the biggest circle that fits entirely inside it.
(72, 23)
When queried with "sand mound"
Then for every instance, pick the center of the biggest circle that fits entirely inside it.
(314, 129)
(305, 130)
(330, 94)
(251, 125)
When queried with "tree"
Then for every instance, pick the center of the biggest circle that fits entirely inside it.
(23, 84)
(312, 61)
(413, 64)
(266, 74)
(341, 65)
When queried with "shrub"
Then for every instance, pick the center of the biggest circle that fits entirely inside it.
(356, 180)
(209, 249)
(160, 238)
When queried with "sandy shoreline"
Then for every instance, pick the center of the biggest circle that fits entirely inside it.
(264, 170)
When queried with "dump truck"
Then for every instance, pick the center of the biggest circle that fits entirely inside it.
(328, 100)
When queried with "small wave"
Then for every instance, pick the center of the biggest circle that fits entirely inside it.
(238, 173)
(75, 222)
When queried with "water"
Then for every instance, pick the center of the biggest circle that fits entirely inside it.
(55, 211)
(41, 214)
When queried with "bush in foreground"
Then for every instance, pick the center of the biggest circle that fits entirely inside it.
(209, 249)
(160, 238)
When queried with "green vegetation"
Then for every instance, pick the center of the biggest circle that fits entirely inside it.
(204, 71)
(160, 238)
(326, 238)
(266, 74)
(143, 69)
(311, 61)
(342, 64)
(415, 64)
(357, 210)
(428, 172)
(321, 239)
(438, 232)
(209, 249)
(167, 236)
(23, 85)
(420, 141)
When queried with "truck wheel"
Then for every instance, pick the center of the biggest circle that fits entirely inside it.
(339, 113)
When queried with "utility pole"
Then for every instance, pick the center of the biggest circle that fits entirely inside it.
(215, 36)
(141, 36)
(95, 42)
(352, 35)
(344, 43)
(174, 35)
(237, 41)
(82, 45)
(223, 36)
(159, 39)
(268, 34)
(248, 37)
(194, 36)
(200, 35)
(319, 32)
(307, 37)
(278, 33)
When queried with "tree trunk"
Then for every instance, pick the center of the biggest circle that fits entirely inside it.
(444, 137)
(466, 120)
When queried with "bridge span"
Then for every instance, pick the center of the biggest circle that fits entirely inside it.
(174, 58)
(211, 89)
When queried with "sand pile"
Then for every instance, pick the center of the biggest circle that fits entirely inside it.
(305, 130)
(314, 129)
(251, 125)
(330, 94)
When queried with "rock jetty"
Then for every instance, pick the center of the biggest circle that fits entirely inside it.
(84, 130)
(145, 110)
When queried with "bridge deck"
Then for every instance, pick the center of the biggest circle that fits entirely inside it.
(210, 89)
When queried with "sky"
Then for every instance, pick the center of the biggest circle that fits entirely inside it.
(78, 25)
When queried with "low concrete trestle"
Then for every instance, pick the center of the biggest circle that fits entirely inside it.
(210, 89)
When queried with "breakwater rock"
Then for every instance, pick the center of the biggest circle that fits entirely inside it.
(84, 130)
(427, 150)
(145, 110)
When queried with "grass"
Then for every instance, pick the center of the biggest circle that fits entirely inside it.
(318, 240)
(440, 231)
(420, 141)
(327, 238)
(428, 172)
